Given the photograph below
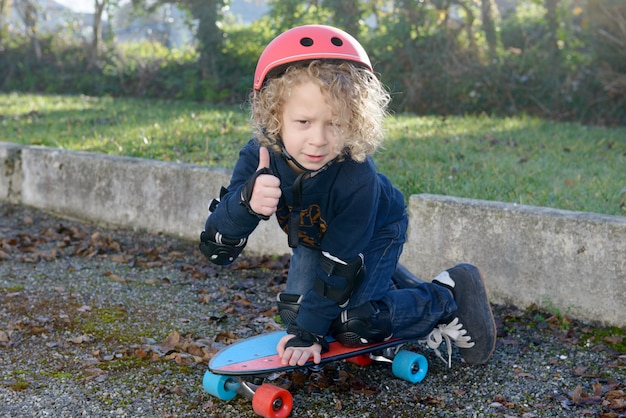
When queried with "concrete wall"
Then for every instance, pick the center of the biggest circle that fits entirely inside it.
(570, 261)
(126, 192)
(10, 172)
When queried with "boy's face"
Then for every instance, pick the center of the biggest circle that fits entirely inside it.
(308, 132)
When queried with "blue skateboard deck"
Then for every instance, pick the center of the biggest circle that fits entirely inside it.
(257, 355)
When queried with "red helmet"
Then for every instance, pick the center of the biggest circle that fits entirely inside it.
(305, 43)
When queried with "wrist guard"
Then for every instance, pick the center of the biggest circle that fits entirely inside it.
(304, 338)
(246, 192)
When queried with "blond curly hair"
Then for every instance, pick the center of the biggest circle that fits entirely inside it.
(357, 97)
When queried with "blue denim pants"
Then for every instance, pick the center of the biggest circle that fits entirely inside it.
(414, 311)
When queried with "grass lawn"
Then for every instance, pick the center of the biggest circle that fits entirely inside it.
(521, 159)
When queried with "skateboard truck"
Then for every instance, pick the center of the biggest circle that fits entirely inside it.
(386, 356)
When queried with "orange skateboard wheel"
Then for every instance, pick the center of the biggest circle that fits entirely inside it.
(270, 401)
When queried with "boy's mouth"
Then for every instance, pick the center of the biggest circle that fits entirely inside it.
(314, 158)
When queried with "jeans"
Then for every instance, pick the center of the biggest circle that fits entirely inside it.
(414, 311)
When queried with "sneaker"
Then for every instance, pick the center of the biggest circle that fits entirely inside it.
(452, 332)
(473, 330)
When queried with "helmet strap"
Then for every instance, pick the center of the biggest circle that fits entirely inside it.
(294, 217)
(312, 173)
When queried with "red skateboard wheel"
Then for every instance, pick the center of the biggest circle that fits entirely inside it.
(270, 401)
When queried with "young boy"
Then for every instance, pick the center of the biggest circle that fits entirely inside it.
(318, 111)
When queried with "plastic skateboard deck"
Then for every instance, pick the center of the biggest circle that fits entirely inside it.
(257, 355)
(253, 358)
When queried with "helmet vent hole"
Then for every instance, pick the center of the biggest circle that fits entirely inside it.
(306, 41)
(336, 41)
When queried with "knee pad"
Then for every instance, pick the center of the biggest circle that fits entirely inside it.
(288, 307)
(338, 280)
(365, 324)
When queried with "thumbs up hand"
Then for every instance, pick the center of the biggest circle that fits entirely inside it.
(265, 193)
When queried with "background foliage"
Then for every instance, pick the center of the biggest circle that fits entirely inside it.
(557, 59)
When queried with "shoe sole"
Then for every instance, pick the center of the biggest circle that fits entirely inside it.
(474, 312)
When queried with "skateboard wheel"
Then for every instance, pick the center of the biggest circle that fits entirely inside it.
(362, 360)
(270, 401)
(409, 366)
(222, 387)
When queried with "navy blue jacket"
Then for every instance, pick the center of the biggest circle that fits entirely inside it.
(342, 208)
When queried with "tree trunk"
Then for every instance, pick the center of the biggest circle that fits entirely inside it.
(209, 37)
(27, 11)
(5, 8)
(96, 42)
(469, 26)
(489, 26)
(553, 26)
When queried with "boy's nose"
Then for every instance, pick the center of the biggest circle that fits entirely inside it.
(318, 137)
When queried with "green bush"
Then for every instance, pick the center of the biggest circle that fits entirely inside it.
(242, 47)
(436, 70)
(432, 66)
(607, 20)
(562, 83)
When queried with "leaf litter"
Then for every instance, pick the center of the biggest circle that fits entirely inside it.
(239, 303)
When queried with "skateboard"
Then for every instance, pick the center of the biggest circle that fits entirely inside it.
(241, 368)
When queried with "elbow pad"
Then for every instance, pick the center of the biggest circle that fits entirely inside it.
(219, 249)
(216, 247)
(337, 280)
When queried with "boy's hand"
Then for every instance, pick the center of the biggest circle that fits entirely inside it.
(298, 355)
(266, 190)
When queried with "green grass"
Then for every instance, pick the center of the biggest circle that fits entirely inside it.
(164, 130)
(522, 160)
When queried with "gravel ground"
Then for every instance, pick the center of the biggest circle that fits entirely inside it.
(99, 322)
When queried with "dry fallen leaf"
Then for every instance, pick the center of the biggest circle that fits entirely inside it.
(121, 258)
(580, 370)
(226, 337)
(613, 339)
(96, 374)
(81, 339)
(178, 390)
(576, 394)
(171, 341)
(115, 277)
(597, 389)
